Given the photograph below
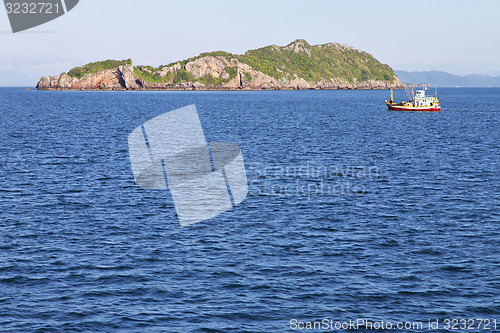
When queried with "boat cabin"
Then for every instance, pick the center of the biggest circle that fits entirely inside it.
(421, 100)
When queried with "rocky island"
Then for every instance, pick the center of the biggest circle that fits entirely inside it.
(298, 65)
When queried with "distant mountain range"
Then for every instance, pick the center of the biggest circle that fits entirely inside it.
(443, 79)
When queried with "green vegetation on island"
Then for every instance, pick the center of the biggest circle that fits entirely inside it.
(297, 65)
(94, 67)
(300, 59)
(316, 63)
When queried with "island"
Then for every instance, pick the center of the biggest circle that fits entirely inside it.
(297, 66)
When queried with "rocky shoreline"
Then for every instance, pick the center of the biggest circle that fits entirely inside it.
(215, 72)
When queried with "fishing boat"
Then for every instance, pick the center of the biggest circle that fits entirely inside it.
(417, 101)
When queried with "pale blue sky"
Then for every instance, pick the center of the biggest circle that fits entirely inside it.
(458, 36)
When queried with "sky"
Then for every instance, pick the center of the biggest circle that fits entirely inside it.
(459, 37)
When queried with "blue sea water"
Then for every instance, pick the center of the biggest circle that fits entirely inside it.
(353, 212)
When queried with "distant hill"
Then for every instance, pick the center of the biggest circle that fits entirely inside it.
(297, 65)
(443, 79)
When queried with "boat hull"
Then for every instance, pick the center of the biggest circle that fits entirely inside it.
(412, 108)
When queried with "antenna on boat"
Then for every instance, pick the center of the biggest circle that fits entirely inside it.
(435, 90)
(410, 93)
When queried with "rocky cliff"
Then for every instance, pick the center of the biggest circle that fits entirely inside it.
(119, 78)
(295, 66)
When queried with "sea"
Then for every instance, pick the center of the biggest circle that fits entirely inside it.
(355, 215)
